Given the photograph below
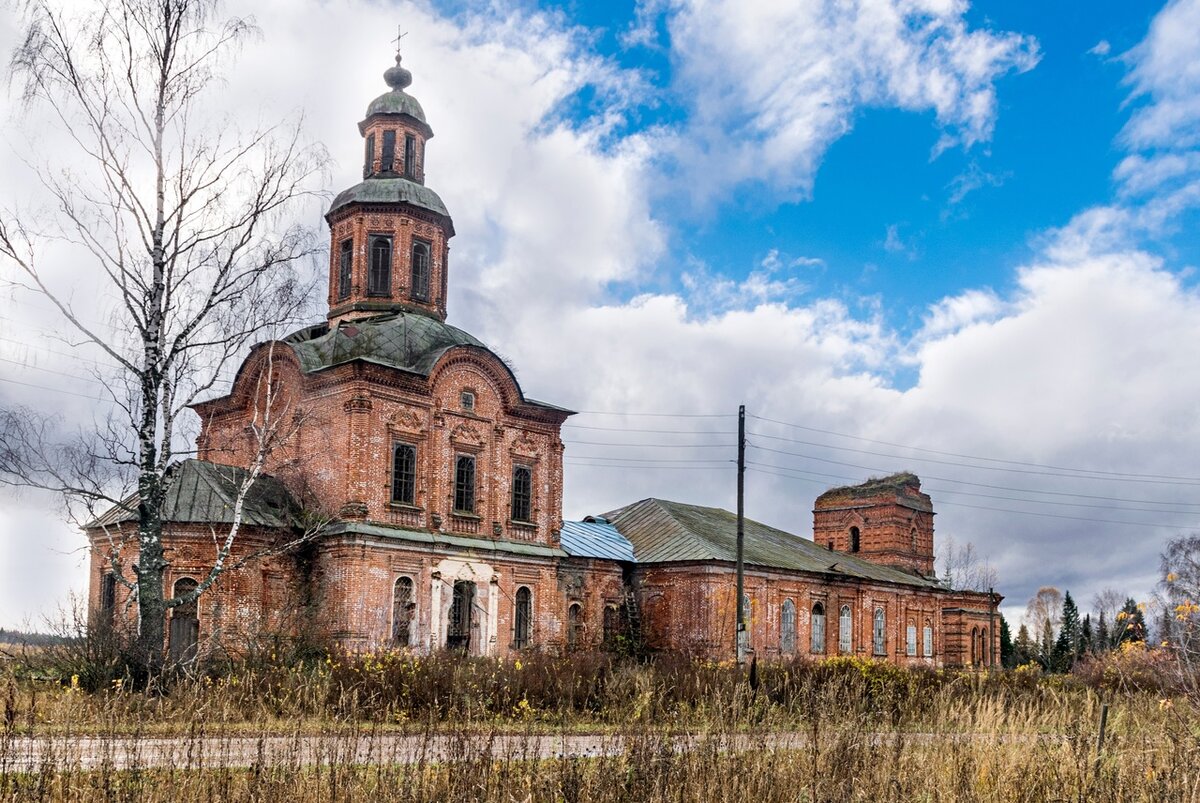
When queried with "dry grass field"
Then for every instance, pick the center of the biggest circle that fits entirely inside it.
(588, 728)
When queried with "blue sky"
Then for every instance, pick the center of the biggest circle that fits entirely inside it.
(907, 225)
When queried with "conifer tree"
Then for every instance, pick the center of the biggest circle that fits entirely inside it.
(1086, 637)
(1023, 649)
(1006, 644)
(1046, 647)
(1103, 640)
(1066, 647)
(1131, 623)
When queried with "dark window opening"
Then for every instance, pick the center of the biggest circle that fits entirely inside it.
(854, 539)
(184, 633)
(369, 157)
(345, 268)
(523, 618)
(574, 626)
(379, 282)
(614, 627)
(420, 270)
(404, 473)
(108, 596)
(466, 400)
(388, 161)
(464, 484)
(522, 494)
(458, 629)
(402, 612)
(410, 156)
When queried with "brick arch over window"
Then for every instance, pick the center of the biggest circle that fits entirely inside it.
(282, 360)
(499, 375)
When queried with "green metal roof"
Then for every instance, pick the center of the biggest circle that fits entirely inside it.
(439, 539)
(406, 340)
(397, 102)
(380, 190)
(668, 532)
(202, 492)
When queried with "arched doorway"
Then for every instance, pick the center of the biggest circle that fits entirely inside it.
(184, 633)
(462, 605)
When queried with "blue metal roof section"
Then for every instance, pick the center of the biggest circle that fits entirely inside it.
(595, 538)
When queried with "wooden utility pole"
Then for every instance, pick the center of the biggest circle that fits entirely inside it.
(992, 639)
(741, 535)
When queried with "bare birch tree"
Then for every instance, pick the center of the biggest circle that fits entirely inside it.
(183, 219)
(963, 568)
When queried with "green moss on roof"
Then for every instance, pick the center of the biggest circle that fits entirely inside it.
(397, 102)
(378, 190)
(904, 486)
(665, 532)
(405, 340)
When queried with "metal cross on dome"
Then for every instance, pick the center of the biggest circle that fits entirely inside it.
(399, 36)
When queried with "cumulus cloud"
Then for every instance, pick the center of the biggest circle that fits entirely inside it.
(772, 86)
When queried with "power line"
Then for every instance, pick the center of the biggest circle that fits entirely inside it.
(656, 431)
(656, 415)
(1019, 512)
(657, 445)
(55, 390)
(1190, 512)
(646, 459)
(1034, 473)
(951, 454)
(643, 467)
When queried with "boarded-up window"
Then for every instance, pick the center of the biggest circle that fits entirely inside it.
(818, 628)
(845, 630)
(879, 640)
(787, 628)
(522, 494)
(404, 473)
(184, 634)
(108, 597)
(464, 484)
(403, 607)
(523, 618)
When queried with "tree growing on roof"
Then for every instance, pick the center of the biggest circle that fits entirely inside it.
(181, 219)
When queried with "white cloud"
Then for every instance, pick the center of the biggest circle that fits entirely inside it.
(772, 86)
(1101, 48)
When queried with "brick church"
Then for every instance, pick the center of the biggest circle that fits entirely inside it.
(438, 485)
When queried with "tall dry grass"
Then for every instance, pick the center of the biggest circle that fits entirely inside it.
(391, 727)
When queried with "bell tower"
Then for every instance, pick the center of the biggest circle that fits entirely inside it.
(389, 235)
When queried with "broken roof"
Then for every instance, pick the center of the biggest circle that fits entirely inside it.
(904, 487)
(664, 532)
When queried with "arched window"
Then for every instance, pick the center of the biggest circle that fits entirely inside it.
(379, 278)
(854, 539)
(974, 646)
(410, 156)
(523, 618)
(522, 494)
(345, 268)
(911, 638)
(927, 637)
(880, 632)
(574, 626)
(403, 606)
(184, 635)
(787, 628)
(108, 597)
(420, 270)
(818, 628)
(845, 631)
(746, 617)
(984, 647)
(464, 484)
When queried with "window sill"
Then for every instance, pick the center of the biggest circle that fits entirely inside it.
(379, 295)
(405, 506)
(462, 514)
(529, 525)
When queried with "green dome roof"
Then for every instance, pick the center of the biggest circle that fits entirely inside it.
(397, 102)
(378, 190)
(408, 341)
